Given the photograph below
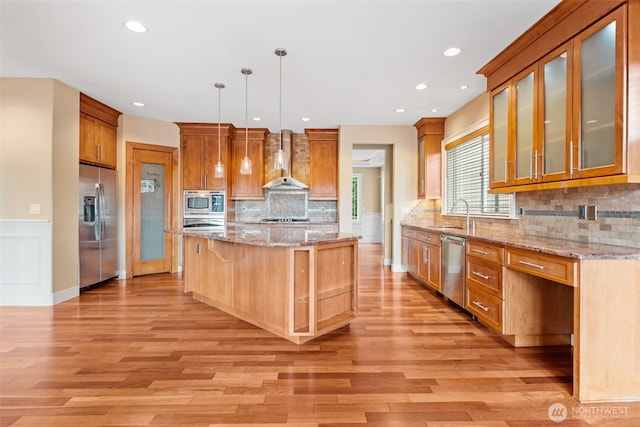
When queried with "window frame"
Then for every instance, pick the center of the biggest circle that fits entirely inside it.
(480, 131)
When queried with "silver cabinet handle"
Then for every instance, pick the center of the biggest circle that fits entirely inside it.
(530, 264)
(427, 238)
(479, 304)
(480, 251)
(535, 159)
(425, 252)
(475, 273)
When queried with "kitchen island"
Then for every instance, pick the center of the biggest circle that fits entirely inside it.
(296, 283)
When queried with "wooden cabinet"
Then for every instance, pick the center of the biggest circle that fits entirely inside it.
(199, 154)
(421, 256)
(298, 292)
(565, 121)
(98, 133)
(485, 295)
(247, 187)
(323, 164)
(430, 135)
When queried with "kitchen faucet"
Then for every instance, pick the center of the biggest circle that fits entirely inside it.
(467, 204)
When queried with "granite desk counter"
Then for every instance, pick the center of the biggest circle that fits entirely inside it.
(296, 283)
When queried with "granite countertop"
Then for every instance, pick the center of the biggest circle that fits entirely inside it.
(279, 236)
(560, 247)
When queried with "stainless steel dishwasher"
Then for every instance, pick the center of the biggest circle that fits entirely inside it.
(452, 263)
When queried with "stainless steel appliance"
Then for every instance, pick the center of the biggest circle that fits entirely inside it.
(98, 225)
(452, 266)
(204, 209)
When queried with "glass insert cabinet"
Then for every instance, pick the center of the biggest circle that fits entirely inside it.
(562, 118)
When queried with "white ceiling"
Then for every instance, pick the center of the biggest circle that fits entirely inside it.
(348, 62)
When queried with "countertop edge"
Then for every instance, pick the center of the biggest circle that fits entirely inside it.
(546, 245)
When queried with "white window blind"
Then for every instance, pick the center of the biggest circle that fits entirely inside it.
(467, 177)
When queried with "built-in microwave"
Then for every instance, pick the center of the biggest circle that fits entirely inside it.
(200, 203)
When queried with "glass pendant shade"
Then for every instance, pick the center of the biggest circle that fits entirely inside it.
(245, 165)
(281, 160)
(218, 170)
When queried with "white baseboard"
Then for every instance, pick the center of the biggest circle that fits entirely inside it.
(398, 268)
(65, 295)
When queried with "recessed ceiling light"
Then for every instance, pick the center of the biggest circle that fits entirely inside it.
(400, 110)
(452, 51)
(464, 87)
(434, 110)
(306, 119)
(421, 86)
(138, 104)
(135, 26)
(256, 119)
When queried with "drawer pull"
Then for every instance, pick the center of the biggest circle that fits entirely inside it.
(427, 238)
(530, 264)
(480, 251)
(479, 304)
(485, 277)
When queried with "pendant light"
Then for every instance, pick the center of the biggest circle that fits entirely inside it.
(245, 165)
(281, 160)
(218, 170)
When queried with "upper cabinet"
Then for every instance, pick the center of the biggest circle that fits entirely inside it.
(251, 144)
(565, 119)
(98, 133)
(200, 150)
(430, 135)
(323, 167)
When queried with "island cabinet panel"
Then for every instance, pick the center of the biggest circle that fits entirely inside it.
(296, 292)
(323, 168)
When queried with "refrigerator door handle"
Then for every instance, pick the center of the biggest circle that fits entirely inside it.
(97, 225)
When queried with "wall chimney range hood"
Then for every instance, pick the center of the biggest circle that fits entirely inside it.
(286, 182)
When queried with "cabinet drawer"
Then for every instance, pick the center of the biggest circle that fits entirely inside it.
(485, 275)
(431, 238)
(557, 269)
(409, 232)
(488, 308)
(485, 251)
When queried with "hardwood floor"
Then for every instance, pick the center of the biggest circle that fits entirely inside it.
(140, 352)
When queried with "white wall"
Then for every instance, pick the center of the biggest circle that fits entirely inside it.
(405, 169)
(39, 143)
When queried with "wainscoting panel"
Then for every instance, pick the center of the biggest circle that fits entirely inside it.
(25, 263)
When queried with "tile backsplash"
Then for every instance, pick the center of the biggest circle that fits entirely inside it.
(554, 213)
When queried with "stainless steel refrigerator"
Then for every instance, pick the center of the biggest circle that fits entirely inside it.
(98, 225)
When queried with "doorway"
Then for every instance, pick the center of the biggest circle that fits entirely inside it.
(150, 208)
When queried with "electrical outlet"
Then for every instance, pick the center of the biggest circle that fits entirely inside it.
(592, 213)
(522, 211)
(582, 212)
(34, 208)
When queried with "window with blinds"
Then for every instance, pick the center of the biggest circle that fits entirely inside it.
(467, 177)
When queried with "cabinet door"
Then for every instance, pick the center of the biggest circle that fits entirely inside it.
(414, 257)
(555, 113)
(499, 127)
(323, 170)
(525, 148)
(247, 186)
(599, 63)
(195, 274)
(88, 145)
(107, 144)
(192, 160)
(421, 168)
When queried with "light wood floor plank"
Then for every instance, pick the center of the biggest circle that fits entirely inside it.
(141, 352)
